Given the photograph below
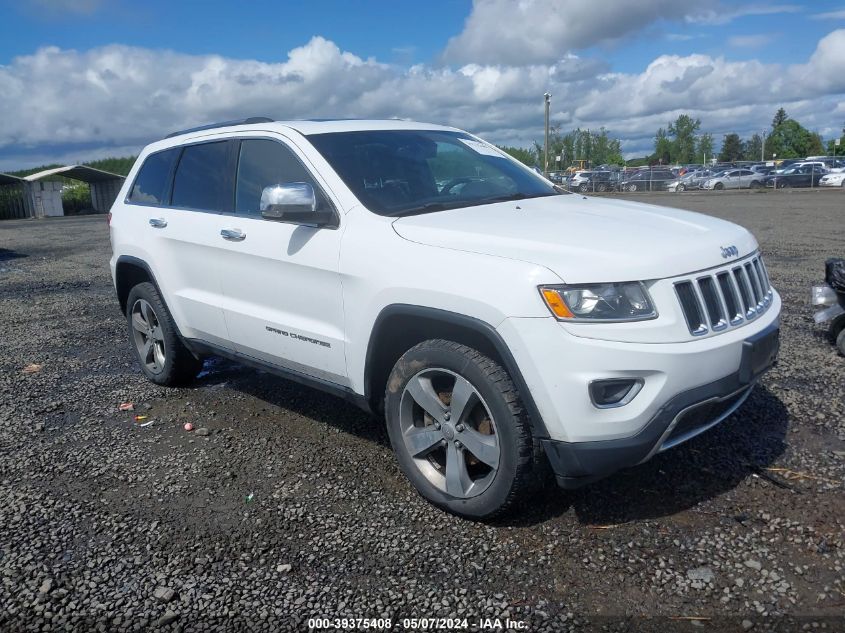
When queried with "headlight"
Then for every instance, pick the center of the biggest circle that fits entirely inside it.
(626, 301)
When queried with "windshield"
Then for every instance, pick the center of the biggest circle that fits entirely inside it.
(404, 172)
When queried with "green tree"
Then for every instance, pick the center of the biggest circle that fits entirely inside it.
(753, 147)
(596, 147)
(683, 132)
(704, 148)
(662, 148)
(731, 148)
(790, 139)
(523, 155)
(779, 118)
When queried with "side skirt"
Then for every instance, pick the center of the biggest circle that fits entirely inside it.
(203, 348)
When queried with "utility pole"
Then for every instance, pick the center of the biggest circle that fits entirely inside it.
(547, 98)
(762, 146)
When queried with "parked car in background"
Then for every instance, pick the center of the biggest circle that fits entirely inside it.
(799, 176)
(783, 165)
(832, 163)
(589, 181)
(647, 180)
(734, 179)
(833, 180)
(690, 180)
(763, 170)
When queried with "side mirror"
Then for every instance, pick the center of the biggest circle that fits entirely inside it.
(293, 202)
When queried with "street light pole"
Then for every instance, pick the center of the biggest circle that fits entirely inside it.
(547, 98)
(762, 146)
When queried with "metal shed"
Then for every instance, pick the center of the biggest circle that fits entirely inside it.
(13, 198)
(46, 198)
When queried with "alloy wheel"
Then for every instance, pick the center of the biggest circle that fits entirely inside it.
(148, 336)
(449, 432)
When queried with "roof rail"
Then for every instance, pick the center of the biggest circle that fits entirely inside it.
(211, 126)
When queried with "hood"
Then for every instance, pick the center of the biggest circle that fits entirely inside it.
(584, 239)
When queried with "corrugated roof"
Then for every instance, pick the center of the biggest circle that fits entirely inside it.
(78, 172)
(8, 179)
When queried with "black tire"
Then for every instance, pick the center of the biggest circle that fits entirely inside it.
(602, 187)
(783, 184)
(718, 186)
(755, 184)
(681, 187)
(520, 462)
(180, 366)
(840, 341)
(583, 187)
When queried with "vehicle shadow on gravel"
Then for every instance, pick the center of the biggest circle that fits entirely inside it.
(290, 396)
(703, 468)
(6, 254)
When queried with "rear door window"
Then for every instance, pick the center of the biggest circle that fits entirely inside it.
(204, 178)
(152, 183)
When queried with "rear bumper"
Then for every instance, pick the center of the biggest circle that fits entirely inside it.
(681, 418)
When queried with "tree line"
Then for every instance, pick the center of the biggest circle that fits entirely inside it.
(681, 143)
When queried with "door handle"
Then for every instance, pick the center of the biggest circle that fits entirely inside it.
(158, 223)
(234, 235)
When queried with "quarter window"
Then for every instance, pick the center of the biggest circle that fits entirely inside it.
(151, 183)
(264, 163)
(204, 179)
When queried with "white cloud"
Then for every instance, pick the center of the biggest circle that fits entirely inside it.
(530, 31)
(728, 13)
(108, 100)
(540, 31)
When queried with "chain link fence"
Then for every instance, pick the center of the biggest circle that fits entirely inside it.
(819, 172)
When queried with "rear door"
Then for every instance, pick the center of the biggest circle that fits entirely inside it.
(283, 295)
(179, 193)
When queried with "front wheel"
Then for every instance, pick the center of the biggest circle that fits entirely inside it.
(681, 187)
(163, 357)
(583, 187)
(459, 430)
(718, 186)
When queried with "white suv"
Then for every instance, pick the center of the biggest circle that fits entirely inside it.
(499, 324)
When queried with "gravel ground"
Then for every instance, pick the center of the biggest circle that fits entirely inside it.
(286, 504)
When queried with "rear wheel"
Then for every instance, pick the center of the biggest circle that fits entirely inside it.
(755, 184)
(783, 184)
(163, 357)
(459, 430)
(632, 188)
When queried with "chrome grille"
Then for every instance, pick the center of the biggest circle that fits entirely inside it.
(725, 298)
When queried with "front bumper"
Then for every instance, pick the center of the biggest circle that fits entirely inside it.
(685, 416)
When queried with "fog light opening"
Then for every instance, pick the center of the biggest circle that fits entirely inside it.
(614, 392)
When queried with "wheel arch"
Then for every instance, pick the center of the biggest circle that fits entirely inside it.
(129, 272)
(399, 327)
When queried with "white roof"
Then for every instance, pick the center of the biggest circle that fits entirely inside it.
(8, 179)
(78, 172)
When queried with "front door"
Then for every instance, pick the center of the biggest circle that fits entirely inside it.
(282, 290)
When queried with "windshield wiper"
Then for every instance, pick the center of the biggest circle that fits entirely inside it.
(423, 208)
(511, 196)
